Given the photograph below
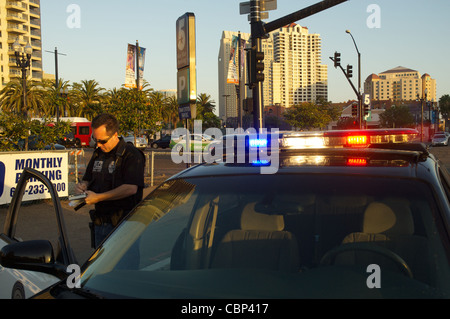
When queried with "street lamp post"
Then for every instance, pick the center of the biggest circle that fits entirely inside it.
(359, 80)
(64, 93)
(23, 61)
(226, 96)
(422, 99)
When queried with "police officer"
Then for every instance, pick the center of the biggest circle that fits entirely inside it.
(114, 178)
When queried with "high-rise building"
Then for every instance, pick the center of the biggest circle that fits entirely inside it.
(227, 91)
(20, 20)
(297, 66)
(293, 70)
(400, 84)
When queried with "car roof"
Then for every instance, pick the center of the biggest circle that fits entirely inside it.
(411, 164)
(388, 152)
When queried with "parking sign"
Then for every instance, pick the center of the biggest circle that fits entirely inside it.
(186, 62)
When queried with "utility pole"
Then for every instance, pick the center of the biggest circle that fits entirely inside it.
(239, 87)
(255, 23)
(57, 82)
(138, 52)
(361, 109)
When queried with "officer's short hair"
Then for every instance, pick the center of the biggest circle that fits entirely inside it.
(109, 120)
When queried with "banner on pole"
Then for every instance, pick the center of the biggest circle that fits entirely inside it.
(130, 75)
(233, 75)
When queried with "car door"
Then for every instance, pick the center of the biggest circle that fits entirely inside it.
(29, 280)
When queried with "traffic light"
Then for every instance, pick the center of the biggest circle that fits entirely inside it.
(349, 71)
(355, 110)
(258, 66)
(255, 66)
(248, 105)
(366, 109)
(337, 59)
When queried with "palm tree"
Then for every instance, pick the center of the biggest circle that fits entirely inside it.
(11, 97)
(88, 97)
(157, 102)
(53, 100)
(205, 111)
(205, 103)
(171, 110)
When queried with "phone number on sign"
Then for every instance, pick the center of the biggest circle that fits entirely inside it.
(40, 189)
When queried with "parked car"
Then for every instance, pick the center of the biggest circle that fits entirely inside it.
(140, 141)
(35, 143)
(69, 141)
(440, 138)
(197, 142)
(163, 142)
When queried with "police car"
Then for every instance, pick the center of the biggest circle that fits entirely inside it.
(332, 214)
(22, 278)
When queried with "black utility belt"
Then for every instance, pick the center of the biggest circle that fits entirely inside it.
(110, 217)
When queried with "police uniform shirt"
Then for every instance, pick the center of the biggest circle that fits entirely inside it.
(101, 172)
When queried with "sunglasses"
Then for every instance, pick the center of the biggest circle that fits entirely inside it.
(103, 142)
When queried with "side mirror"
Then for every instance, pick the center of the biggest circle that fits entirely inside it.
(34, 255)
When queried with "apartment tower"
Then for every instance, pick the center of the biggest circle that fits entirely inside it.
(20, 20)
(298, 75)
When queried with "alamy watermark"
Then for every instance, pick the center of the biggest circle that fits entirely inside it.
(374, 19)
(73, 280)
(73, 21)
(374, 279)
(249, 146)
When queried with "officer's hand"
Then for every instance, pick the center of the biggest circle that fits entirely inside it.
(80, 188)
(91, 198)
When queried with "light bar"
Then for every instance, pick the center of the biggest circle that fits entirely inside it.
(258, 142)
(346, 138)
(357, 140)
(299, 142)
(356, 162)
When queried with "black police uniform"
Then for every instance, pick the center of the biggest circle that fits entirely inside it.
(122, 165)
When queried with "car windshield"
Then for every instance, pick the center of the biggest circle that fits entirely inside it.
(439, 136)
(277, 236)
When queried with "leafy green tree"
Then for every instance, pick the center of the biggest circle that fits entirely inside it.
(332, 110)
(14, 128)
(397, 116)
(307, 116)
(136, 109)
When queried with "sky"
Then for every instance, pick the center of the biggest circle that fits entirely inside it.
(94, 38)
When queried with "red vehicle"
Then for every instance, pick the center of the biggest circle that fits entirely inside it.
(81, 129)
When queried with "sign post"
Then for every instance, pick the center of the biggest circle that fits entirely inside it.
(186, 65)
